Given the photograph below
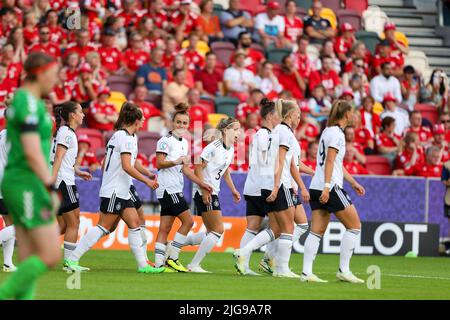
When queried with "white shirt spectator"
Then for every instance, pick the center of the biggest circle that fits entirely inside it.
(239, 79)
(267, 85)
(272, 27)
(380, 86)
(401, 119)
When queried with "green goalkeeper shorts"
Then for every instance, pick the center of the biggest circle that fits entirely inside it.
(28, 201)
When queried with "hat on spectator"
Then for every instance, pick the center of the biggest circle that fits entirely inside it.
(389, 26)
(439, 129)
(304, 107)
(389, 97)
(347, 92)
(186, 2)
(347, 27)
(84, 138)
(85, 67)
(240, 52)
(273, 5)
(105, 90)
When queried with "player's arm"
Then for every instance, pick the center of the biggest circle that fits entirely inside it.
(230, 184)
(59, 156)
(190, 174)
(304, 168)
(295, 173)
(134, 173)
(139, 167)
(355, 185)
(31, 142)
(329, 166)
(198, 170)
(163, 163)
(277, 175)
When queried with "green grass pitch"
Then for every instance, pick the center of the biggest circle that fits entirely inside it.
(113, 276)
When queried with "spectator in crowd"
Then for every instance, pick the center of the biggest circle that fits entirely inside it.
(4, 93)
(319, 106)
(254, 57)
(424, 133)
(326, 77)
(8, 19)
(316, 27)
(440, 142)
(61, 92)
(135, 56)
(358, 89)
(328, 50)
(351, 163)
(269, 26)
(129, 13)
(290, 78)
(16, 39)
(94, 8)
(30, 30)
(98, 73)
(57, 33)
(172, 49)
(111, 57)
(239, 81)
(234, 21)
(208, 81)
(359, 51)
(71, 64)
(152, 75)
(432, 167)
(86, 88)
(347, 95)
(85, 157)
(344, 43)
(392, 110)
(198, 114)
(44, 44)
(410, 87)
(194, 60)
(369, 119)
(363, 136)
(385, 83)
(357, 69)
(81, 46)
(175, 93)
(444, 119)
(411, 157)
(311, 158)
(267, 82)
(184, 20)
(179, 62)
(293, 24)
(209, 23)
(13, 68)
(252, 122)
(102, 114)
(302, 62)
(307, 130)
(385, 55)
(250, 106)
(388, 142)
(148, 109)
(398, 46)
(437, 90)
(158, 14)
(355, 146)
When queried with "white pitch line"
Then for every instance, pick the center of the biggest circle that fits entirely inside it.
(399, 275)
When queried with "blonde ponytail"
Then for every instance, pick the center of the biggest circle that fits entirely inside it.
(285, 107)
(338, 111)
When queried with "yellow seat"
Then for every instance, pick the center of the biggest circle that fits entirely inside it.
(214, 118)
(399, 36)
(378, 108)
(328, 14)
(117, 99)
(202, 47)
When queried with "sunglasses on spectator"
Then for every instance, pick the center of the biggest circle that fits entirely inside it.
(445, 121)
(359, 65)
(44, 33)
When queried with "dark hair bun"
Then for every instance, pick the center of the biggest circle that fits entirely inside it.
(181, 107)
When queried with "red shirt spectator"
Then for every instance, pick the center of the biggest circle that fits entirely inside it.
(61, 91)
(243, 109)
(93, 7)
(293, 28)
(111, 58)
(383, 140)
(89, 159)
(49, 48)
(149, 111)
(424, 133)
(160, 18)
(354, 167)
(303, 64)
(197, 113)
(362, 137)
(13, 73)
(329, 79)
(209, 79)
(57, 34)
(79, 95)
(288, 79)
(193, 59)
(135, 59)
(58, 5)
(143, 159)
(253, 59)
(312, 163)
(192, 23)
(81, 51)
(403, 161)
(103, 108)
(429, 170)
(30, 36)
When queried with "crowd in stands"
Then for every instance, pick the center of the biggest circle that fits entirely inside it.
(193, 51)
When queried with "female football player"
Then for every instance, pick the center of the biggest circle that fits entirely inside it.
(64, 154)
(7, 234)
(27, 178)
(172, 161)
(116, 199)
(215, 160)
(328, 195)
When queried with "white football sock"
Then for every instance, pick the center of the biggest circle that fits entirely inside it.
(311, 247)
(144, 240)
(205, 247)
(68, 249)
(299, 230)
(283, 253)
(271, 249)
(8, 239)
(258, 241)
(348, 243)
(135, 242)
(7, 233)
(194, 239)
(247, 237)
(87, 241)
(160, 252)
(176, 245)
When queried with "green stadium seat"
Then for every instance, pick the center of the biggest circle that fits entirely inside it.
(305, 4)
(226, 105)
(275, 55)
(370, 39)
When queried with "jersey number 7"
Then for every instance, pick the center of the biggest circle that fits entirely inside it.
(108, 156)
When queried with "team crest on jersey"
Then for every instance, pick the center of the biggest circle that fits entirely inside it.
(180, 194)
(129, 145)
(68, 139)
(163, 146)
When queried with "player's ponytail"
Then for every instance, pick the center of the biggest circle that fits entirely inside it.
(338, 111)
(267, 107)
(128, 114)
(58, 118)
(182, 109)
(285, 107)
(63, 111)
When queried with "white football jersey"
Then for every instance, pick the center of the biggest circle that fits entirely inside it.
(218, 159)
(66, 138)
(115, 180)
(259, 166)
(3, 156)
(282, 136)
(332, 137)
(296, 156)
(171, 179)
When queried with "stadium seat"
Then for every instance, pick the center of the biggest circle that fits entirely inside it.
(378, 165)
(107, 135)
(257, 46)
(428, 111)
(312, 52)
(374, 19)
(276, 54)
(208, 104)
(222, 44)
(370, 39)
(357, 5)
(349, 16)
(95, 137)
(328, 14)
(226, 105)
(147, 142)
(202, 47)
(100, 154)
(305, 4)
(334, 5)
(214, 118)
(122, 84)
(224, 53)
(301, 13)
(418, 60)
(220, 67)
(399, 36)
(117, 99)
